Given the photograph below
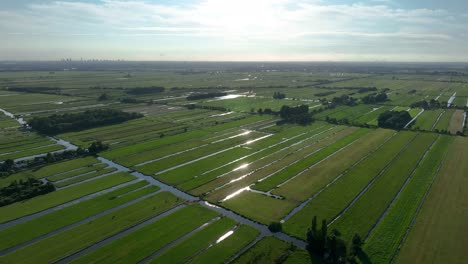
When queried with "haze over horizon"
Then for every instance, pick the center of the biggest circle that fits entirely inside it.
(223, 30)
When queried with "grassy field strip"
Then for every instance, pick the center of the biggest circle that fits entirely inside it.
(187, 149)
(247, 123)
(76, 172)
(427, 120)
(29, 148)
(48, 225)
(329, 204)
(271, 166)
(302, 205)
(135, 246)
(28, 152)
(266, 250)
(444, 121)
(456, 122)
(224, 249)
(160, 167)
(188, 172)
(29, 141)
(270, 145)
(437, 120)
(213, 180)
(382, 243)
(414, 118)
(43, 202)
(373, 202)
(71, 241)
(324, 154)
(304, 186)
(403, 186)
(199, 169)
(439, 231)
(85, 178)
(143, 146)
(287, 173)
(64, 166)
(183, 251)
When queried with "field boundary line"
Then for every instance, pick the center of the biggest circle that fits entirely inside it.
(416, 213)
(78, 223)
(381, 172)
(345, 172)
(63, 205)
(178, 240)
(410, 176)
(144, 222)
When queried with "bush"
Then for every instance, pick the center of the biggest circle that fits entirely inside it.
(275, 227)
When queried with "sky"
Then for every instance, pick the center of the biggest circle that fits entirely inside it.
(235, 30)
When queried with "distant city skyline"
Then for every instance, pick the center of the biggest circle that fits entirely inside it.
(241, 30)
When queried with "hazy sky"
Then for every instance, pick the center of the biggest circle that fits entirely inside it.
(286, 30)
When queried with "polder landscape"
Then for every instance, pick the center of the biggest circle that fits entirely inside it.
(172, 162)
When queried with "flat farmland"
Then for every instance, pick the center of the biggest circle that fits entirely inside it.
(438, 231)
(200, 181)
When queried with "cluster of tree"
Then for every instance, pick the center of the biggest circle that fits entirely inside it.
(267, 111)
(104, 97)
(330, 247)
(374, 98)
(24, 189)
(128, 100)
(201, 96)
(60, 123)
(366, 89)
(324, 93)
(343, 100)
(298, 115)
(279, 95)
(412, 92)
(146, 90)
(394, 119)
(214, 108)
(43, 90)
(432, 104)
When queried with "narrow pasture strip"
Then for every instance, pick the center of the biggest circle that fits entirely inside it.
(198, 241)
(301, 188)
(28, 152)
(427, 119)
(282, 177)
(221, 251)
(184, 173)
(328, 204)
(267, 250)
(214, 180)
(186, 158)
(84, 178)
(439, 231)
(444, 121)
(384, 240)
(45, 224)
(64, 166)
(39, 203)
(284, 160)
(374, 201)
(66, 243)
(76, 172)
(141, 243)
(147, 145)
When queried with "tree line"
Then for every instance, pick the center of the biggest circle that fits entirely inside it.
(24, 189)
(60, 123)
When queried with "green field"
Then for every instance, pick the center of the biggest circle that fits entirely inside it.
(231, 169)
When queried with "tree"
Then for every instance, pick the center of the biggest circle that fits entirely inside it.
(394, 119)
(275, 227)
(336, 248)
(50, 158)
(356, 246)
(103, 97)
